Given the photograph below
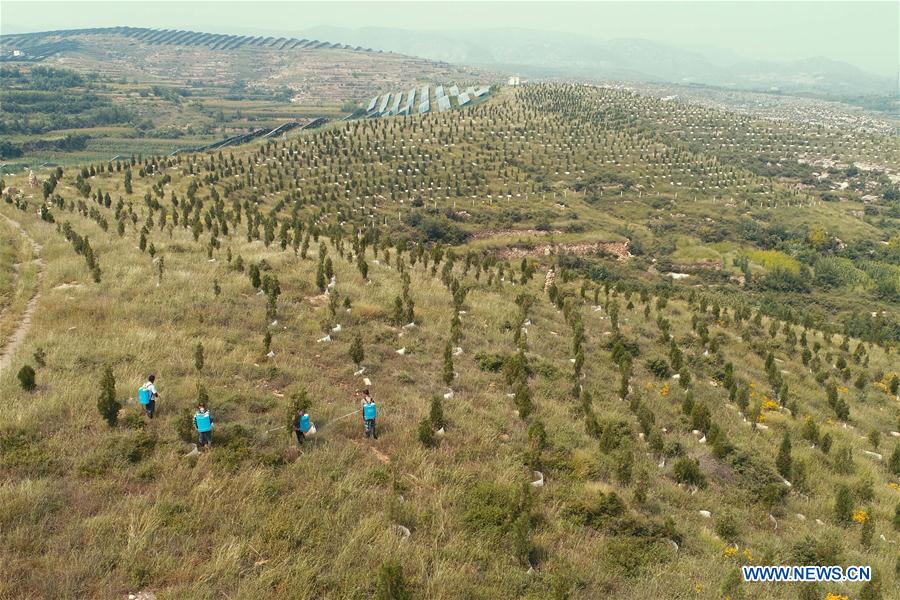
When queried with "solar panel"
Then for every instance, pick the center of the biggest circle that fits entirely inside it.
(407, 106)
(481, 92)
(424, 107)
(384, 102)
(372, 104)
(470, 91)
(454, 91)
(439, 91)
(395, 108)
(443, 103)
(463, 99)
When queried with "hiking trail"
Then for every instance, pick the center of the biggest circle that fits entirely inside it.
(8, 350)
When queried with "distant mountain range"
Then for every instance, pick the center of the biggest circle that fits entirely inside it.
(548, 54)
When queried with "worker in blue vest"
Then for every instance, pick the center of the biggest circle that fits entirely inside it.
(203, 423)
(370, 412)
(147, 395)
(301, 426)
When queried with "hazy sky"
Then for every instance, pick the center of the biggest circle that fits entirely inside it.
(865, 34)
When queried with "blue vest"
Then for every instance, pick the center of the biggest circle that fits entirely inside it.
(304, 423)
(204, 422)
(144, 396)
(369, 411)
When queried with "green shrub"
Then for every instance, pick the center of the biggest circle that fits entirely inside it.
(599, 510)
(489, 362)
(26, 378)
(843, 505)
(613, 434)
(133, 419)
(436, 414)
(516, 368)
(184, 425)
(727, 527)
(448, 371)
(107, 403)
(868, 528)
(426, 433)
(628, 556)
(894, 461)
(687, 471)
(391, 583)
(492, 508)
(871, 590)
(198, 357)
(783, 460)
(25, 453)
(357, 353)
(522, 400)
(812, 551)
(659, 368)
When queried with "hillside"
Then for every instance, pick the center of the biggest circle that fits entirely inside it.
(74, 96)
(620, 346)
(315, 71)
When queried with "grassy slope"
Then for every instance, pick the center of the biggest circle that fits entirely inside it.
(257, 520)
(18, 278)
(96, 512)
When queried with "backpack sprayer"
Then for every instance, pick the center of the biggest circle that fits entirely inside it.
(336, 419)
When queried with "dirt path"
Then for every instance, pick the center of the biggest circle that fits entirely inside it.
(18, 335)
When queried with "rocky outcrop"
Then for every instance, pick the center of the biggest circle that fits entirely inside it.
(617, 249)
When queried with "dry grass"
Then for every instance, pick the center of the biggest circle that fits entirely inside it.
(256, 519)
(18, 278)
(93, 511)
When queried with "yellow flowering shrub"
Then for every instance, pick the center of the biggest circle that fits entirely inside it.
(769, 404)
(860, 516)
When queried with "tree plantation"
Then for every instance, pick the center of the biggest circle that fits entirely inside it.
(620, 346)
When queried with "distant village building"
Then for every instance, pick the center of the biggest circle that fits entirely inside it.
(514, 80)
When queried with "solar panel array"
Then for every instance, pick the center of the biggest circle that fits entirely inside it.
(419, 100)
